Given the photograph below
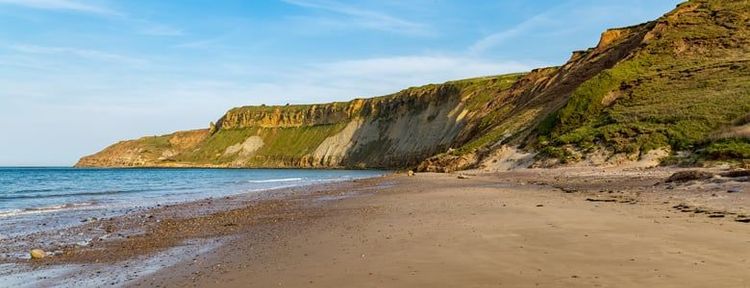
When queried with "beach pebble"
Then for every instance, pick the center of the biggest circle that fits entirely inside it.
(90, 219)
(463, 176)
(736, 173)
(691, 175)
(37, 254)
(734, 190)
(410, 173)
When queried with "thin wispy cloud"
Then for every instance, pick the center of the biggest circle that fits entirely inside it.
(141, 26)
(552, 21)
(157, 29)
(498, 38)
(363, 17)
(433, 67)
(549, 18)
(64, 5)
(202, 43)
(88, 54)
(376, 76)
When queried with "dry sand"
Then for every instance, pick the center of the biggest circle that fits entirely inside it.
(439, 231)
(529, 228)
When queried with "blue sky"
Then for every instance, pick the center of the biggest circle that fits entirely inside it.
(78, 75)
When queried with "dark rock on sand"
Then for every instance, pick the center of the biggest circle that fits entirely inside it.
(736, 173)
(683, 208)
(734, 190)
(569, 190)
(690, 175)
(601, 200)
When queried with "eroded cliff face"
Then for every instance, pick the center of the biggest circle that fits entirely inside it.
(146, 151)
(679, 83)
(391, 131)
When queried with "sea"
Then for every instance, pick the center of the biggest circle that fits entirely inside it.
(42, 198)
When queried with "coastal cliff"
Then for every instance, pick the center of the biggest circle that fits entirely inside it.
(673, 90)
(390, 131)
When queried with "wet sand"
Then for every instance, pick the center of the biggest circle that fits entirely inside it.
(529, 228)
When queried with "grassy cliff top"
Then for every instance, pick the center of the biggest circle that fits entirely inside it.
(474, 92)
(408, 92)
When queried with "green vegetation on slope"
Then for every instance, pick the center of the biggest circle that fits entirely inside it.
(280, 144)
(727, 149)
(294, 143)
(691, 80)
(480, 93)
(211, 150)
(155, 144)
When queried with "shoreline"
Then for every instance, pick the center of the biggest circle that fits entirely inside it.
(137, 220)
(29, 208)
(244, 236)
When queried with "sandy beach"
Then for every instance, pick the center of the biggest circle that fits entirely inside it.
(529, 228)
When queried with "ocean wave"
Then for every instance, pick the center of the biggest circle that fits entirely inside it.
(46, 209)
(90, 193)
(275, 180)
(37, 190)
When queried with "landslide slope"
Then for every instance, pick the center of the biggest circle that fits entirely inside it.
(680, 83)
(685, 87)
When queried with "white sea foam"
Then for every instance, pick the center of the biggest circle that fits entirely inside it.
(46, 209)
(275, 180)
